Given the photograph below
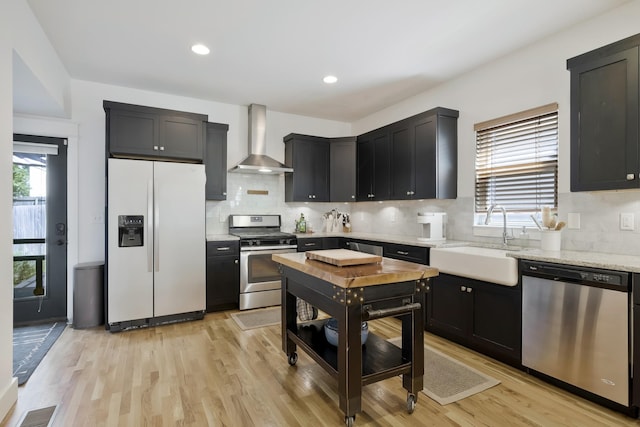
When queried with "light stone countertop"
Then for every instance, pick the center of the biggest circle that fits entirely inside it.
(630, 263)
(384, 238)
(221, 237)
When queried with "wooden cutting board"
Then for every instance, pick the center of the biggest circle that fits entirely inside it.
(343, 257)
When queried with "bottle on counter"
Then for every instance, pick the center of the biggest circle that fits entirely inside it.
(301, 225)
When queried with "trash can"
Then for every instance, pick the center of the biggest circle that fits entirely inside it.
(88, 295)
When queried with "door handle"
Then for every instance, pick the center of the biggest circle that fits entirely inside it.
(61, 242)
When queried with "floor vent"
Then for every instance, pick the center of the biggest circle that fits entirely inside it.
(38, 417)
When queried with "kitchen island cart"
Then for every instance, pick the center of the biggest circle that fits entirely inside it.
(353, 294)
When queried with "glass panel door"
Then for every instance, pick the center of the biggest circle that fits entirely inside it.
(39, 229)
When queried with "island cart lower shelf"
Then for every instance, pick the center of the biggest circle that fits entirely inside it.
(380, 359)
(351, 295)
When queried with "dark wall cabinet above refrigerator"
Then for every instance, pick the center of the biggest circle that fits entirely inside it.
(135, 131)
(604, 117)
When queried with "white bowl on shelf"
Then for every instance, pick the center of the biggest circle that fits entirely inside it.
(331, 331)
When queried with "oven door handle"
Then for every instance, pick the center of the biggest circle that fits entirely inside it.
(268, 248)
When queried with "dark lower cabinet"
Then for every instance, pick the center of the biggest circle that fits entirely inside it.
(310, 244)
(223, 275)
(480, 315)
(417, 254)
(318, 243)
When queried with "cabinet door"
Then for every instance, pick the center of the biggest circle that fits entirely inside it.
(382, 167)
(342, 166)
(223, 283)
(223, 275)
(133, 132)
(415, 254)
(448, 310)
(425, 158)
(604, 123)
(365, 166)
(495, 327)
(403, 160)
(311, 244)
(309, 181)
(181, 137)
(216, 161)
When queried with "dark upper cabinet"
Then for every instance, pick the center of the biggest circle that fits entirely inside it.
(604, 117)
(373, 165)
(424, 156)
(342, 169)
(309, 158)
(415, 158)
(215, 161)
(135, 131)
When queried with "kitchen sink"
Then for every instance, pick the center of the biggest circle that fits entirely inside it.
(482, 263)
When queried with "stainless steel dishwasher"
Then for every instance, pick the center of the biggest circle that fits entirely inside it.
(575, 327)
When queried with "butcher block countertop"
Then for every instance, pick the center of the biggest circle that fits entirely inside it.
(387, 271)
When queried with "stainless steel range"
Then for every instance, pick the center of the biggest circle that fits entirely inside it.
(260, 237)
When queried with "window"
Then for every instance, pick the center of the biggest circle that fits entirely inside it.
(517, 163)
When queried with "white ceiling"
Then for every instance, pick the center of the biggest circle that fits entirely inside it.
(275, 52)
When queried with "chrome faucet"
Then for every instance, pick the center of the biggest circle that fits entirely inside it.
(505, 238)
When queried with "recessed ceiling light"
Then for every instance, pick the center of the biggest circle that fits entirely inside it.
(200, 49)
(330, 79)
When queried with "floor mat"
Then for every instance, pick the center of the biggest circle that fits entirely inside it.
(447, 380)
(257, 318)
(30, 345)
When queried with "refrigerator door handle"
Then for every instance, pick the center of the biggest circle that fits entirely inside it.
(156, 235)
(149, 225)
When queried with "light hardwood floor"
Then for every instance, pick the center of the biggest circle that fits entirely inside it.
(211, 373)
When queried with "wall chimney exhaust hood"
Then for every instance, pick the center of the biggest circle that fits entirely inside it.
(258, 161)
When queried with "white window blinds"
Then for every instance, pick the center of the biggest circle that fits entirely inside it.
(517, 161)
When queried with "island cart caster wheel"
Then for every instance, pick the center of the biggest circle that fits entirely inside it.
(350, 420)
(293, 358)
(411, 403)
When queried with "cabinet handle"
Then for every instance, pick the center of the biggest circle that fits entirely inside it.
(353, 196)
(161, 148)
(155, 147)
(310, 196)
(469, 290)
(402, 253)
(463, 288)
(224, 193)
(314, 196)
(235, 261)
(631, 177)
(225, 248)
(309, 244)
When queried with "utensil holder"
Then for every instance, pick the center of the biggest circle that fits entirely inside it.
(550, 240)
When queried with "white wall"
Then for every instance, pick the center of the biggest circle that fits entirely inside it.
(87, 111)
(531, 77)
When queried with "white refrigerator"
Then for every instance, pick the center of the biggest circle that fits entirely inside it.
(156, 242)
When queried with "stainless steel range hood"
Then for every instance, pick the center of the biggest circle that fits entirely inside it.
(258, 161)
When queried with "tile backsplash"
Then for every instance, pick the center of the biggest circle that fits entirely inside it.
(599, 215)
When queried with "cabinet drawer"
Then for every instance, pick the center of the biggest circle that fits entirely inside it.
(312, 244)
(221, 248)
(415, 254)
